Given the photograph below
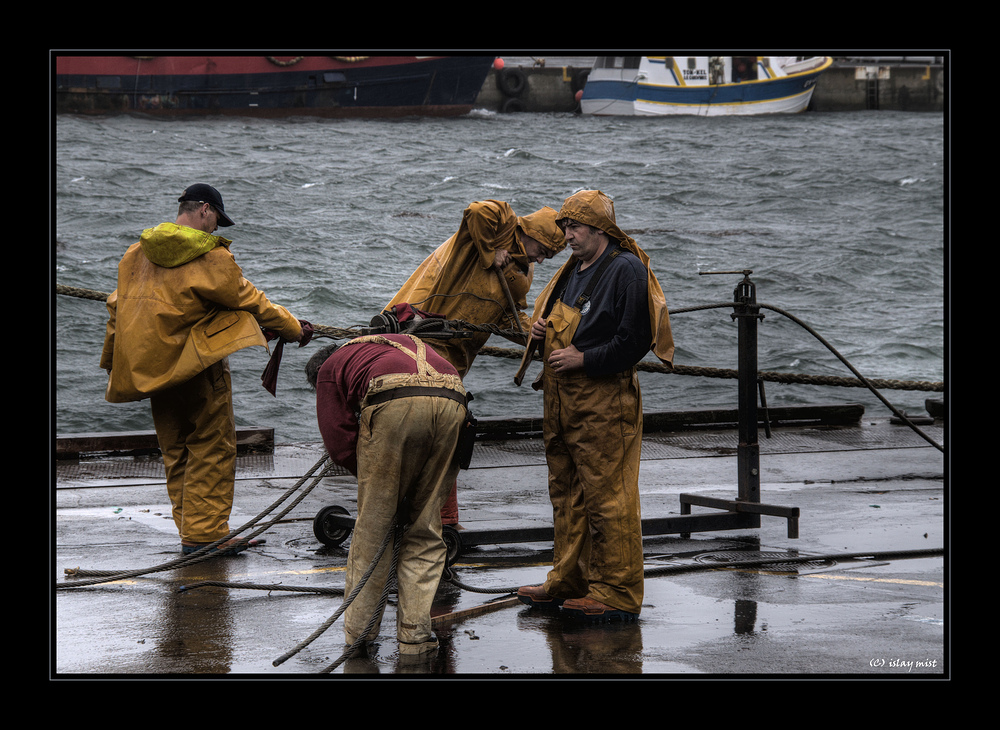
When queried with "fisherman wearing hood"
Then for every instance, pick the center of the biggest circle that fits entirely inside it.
(464, 279)
(458, 281)
(601, 313)
(180, 309)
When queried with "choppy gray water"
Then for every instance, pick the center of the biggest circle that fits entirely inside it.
(841, 217)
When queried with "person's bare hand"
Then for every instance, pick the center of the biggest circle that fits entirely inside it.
(566, 359)
(538, 329)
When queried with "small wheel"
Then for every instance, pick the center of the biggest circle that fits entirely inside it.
(328, 529)
(452, 543)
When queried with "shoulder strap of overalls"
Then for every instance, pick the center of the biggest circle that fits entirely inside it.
(423, 367)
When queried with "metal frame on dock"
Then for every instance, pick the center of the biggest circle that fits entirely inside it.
(746, 509)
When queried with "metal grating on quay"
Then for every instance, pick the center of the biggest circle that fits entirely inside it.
(294, 460)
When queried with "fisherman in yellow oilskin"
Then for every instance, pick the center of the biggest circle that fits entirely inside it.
(181, 307)
(464, 279)
(459, 280)
(600, 314)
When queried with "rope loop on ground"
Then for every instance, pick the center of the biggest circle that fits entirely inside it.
(449, 576)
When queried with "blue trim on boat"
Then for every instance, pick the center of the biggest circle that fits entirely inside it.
(743, 93)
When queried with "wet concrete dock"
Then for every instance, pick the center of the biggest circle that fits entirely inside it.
(863, 592)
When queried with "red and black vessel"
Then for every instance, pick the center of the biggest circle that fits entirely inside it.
(269, 86)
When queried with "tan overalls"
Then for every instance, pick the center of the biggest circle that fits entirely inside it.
(593, 436)
(406, 449)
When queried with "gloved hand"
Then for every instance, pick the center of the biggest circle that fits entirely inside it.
(305, 334)
(269, 378)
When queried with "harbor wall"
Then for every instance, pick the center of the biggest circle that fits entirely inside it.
(845, 86)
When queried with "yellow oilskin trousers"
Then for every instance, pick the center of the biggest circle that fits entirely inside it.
(196, 431)
(593, 438)
(406, 449)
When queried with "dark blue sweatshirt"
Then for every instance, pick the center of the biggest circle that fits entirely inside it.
(614, 331)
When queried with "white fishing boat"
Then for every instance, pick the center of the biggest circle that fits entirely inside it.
(701, 85)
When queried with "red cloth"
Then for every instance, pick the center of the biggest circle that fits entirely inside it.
(269, 378)
(449, 512)
(405, 312)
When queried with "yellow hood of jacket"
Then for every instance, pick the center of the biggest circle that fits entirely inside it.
(170, 245)
(458, 281)
(176, 311)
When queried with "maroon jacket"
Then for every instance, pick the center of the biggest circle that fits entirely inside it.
(342, 384)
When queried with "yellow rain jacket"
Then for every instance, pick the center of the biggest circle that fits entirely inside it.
(459, 282)
(181, 305)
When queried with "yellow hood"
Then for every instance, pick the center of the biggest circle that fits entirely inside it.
(170, 245)
(541, 225)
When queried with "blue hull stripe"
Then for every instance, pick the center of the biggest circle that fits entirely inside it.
(749, 92)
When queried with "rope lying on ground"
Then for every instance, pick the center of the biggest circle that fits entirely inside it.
(650, 572)
(319, 470)
(338, 333)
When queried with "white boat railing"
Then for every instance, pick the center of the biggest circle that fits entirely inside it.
(807, 64)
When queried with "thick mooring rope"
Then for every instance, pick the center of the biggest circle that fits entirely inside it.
(339, 333)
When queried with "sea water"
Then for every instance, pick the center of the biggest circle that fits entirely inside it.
(840, 216)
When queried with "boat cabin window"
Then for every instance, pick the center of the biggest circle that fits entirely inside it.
(744, 68)
(618, 62)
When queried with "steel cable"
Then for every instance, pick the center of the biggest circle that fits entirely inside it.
(262, 587)
(754, 563)
(206, 552)
(355, 647)
(782, 559)
(857, 374)
(393, 534)
(449, 576)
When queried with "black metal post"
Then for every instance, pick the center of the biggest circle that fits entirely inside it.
(747, 313)
(746, 507)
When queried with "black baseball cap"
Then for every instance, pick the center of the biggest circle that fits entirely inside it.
(202, 193)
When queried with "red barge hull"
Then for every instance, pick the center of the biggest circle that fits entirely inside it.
(269, 86)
